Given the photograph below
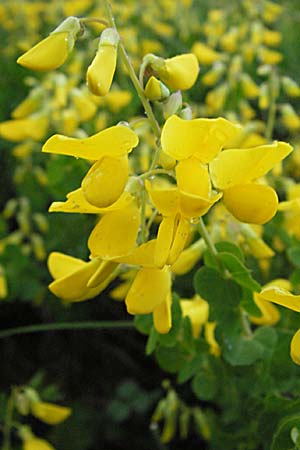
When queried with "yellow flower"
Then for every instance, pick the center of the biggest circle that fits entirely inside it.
(267, 56)
(201, 138)
(72, 277)
(233, 171)
(51, 52)
(188, 258)
(250, 89)
(177, 205)
(101, 71)
(283, 297)
(114, 142)
(271, 37)
(35, 443)
(32, 127)
(116, 232)
(197, 310)
(50, 413)
(179, 72)
(205, 54)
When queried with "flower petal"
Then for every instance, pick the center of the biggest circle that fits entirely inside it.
(239, 166)
(251, 203)
(182, 233)
(140, 256)
(202, 138)
(166, 201)
(197, 310)
(116, 232)
(194, 206)
(165, 236)
(50, 413)
(295, 348)
(61, 265)
(270, 314)
(193, 177)
(281, 297)
(114, 141)
(162, 317)
(76, 203)
(73, 287)
(149, 289)
(105, 181)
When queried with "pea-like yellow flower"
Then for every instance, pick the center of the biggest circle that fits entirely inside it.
(116, 232)
(249, 87)
(197, 310)
(233, 171)
(179, 72)
(106, 179)
(52, 52)
(267, 56)
(102, 69)
(50, 413)
(150, 291)
(201, 138)
(35, 443)
(178, 204)
(72, 275)
(283, 297)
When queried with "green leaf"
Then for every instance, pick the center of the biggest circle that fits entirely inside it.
(169, 339)
(205, 384)
(190, 368)
(170, 359)
(223, 295)
(248, 303)
(223, 246)
(143, 323)
(282, 436)
(152, 341)
(239, 272)
(294, 256)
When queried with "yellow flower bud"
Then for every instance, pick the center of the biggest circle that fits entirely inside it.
(156, 90)
(101, 71)
(249, 87)
(52, 52)
(50, 413)
(205, 54)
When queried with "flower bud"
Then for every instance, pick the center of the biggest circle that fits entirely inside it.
(179, 72)
(52, 52)
(156, 90)
(101, 71)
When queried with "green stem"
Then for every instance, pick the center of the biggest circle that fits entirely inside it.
(127, 62)
(246, 324)
(8, 421)
(88, 325)
(273, 88)
(210, 245)
(143, 216)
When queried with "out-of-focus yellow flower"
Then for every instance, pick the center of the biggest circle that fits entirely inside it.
(271, 11)
(52, 52)
(289, 117)
(290, 87)
(267, 56)
(205, 54)
(117, 99)
(35, 443)
(291, 210)
(3, 284)
(197, 310)
(84, 105)
(214, 74)
(179, 72)
(271, 37)
(50, 413)
(249, 87)
(215, 99)
(29, 105)
(229, 41)
(102, 69)
(32, 127)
